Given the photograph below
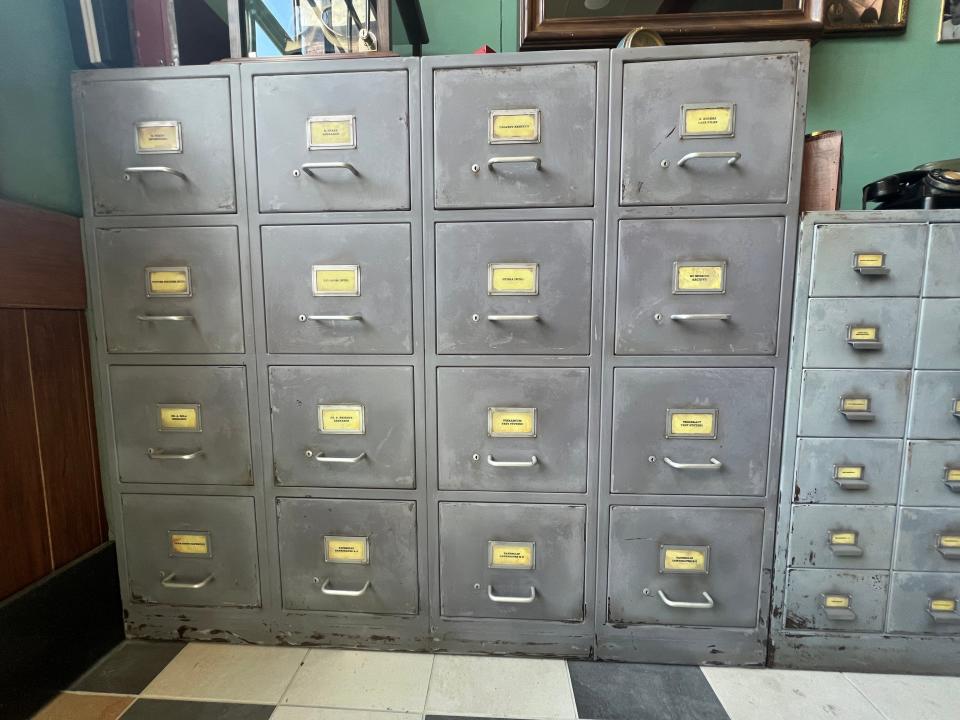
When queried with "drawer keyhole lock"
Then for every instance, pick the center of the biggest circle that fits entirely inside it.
(476, 586)
(474, 168)
(296, 173)
(302, 318)
(475, 458)
(658, 317)
(646, 591)
(308, 453)
(651, 459)
(316, 580)
(475, 317)
(664, 163)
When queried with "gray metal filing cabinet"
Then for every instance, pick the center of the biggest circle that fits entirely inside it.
(868, 559)
(704, 179)
(514, 151)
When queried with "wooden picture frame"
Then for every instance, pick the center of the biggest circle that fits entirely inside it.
(797, 19)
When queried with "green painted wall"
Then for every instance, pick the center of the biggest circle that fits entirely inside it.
(895, 98)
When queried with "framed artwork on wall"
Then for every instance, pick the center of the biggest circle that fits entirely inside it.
(854, 17)
(949, 30)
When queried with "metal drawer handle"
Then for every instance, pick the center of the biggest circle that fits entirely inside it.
(851, 484)
(688, 605)
(702, 316)
(320, 457)
(521, 600)
(858, 415)
(843, 614)
(944, 616)
(308, 168)
(731, 156)
(515, 159)
(165, 318)
(846, 550)
(714, 464)
(161, 455)
(330, 318)
(170, 581)
(493, 462)
(950, 553)
(129, 172)
(865, 344)
(327, 590)
(508, 318)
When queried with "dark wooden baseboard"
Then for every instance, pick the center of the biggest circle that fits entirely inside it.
(53, 630)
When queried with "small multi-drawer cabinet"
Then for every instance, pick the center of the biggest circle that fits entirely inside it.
(869, 539)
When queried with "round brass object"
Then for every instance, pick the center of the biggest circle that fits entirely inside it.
(638, 37)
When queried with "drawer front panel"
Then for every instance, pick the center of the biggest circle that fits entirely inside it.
(523, 562)
(171, 290)
(181, 425)
(325, 141)
(940, 278)
(695, 431)
(514, 287)
(189, 550)
(938, 343)
(935, 407)
(342, 289)
(925, 603)
(343, 426)
(159, 146)
(512, 429)
(692, 287)
(860, 333)
(842, 600)
(854, 403)
(833, 470)
(352, 556)
(841, 536)
(868, 260)
(705, 131)
(684, 566)
(932, 474)
(928, 539)
(503, 137)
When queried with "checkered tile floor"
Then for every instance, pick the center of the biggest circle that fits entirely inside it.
(202, 681)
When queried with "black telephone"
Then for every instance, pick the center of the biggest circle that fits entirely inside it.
(930, 186)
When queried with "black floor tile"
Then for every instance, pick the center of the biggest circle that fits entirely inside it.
(129, 668)
(625, 691)
(182, 710)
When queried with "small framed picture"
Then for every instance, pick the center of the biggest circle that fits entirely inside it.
(949, 22)
(855, 17)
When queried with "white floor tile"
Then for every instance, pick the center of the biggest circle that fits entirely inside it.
(788, 695)
(500, 687)
(361, 680)
(231, 673)
(300, 713)
(908, 697)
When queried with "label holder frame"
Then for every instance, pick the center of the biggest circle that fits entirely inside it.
(137, 126)
(164, 268)
(194, 406)
(311, 147)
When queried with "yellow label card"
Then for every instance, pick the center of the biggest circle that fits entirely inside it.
(182, 418)
(346, 550)
(956, 407)
(684, 559)
(158, 137)
(514, 126)
(700, 277)
(848, 472)
(692, 423)
(855, 404)
(336, 280)
(510, 555)
(343, 419)
(511, 422)
(512, 278)
(836, 601)
(869, 259)
(843, 538)
(949, 541)
(701, 120)
(169, 281)
(943, 605)
(951, 474)
(189, 543)
(864, 333)
(331, 131)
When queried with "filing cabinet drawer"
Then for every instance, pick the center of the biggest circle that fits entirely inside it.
(928, 539)
(932, 473)
(938, 344)
(181, 424)
(332, 141)
(841, 536)
(860, 333)
(190, 550)
(504, 137)
(160, 146)
(343, 426)
(171, 290)
(699, 287)
(341, 289)
(844, 600)
(935, 407)
(353, 556)
(691, 431)
(513, 429)
(941, 279)
(853, 403)
(684, 566)
(834, 470)
(710, 130)
(925, 603)
(505, 560)
(868, 260)
(514, 287)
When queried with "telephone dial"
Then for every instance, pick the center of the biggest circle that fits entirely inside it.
(930, 186)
